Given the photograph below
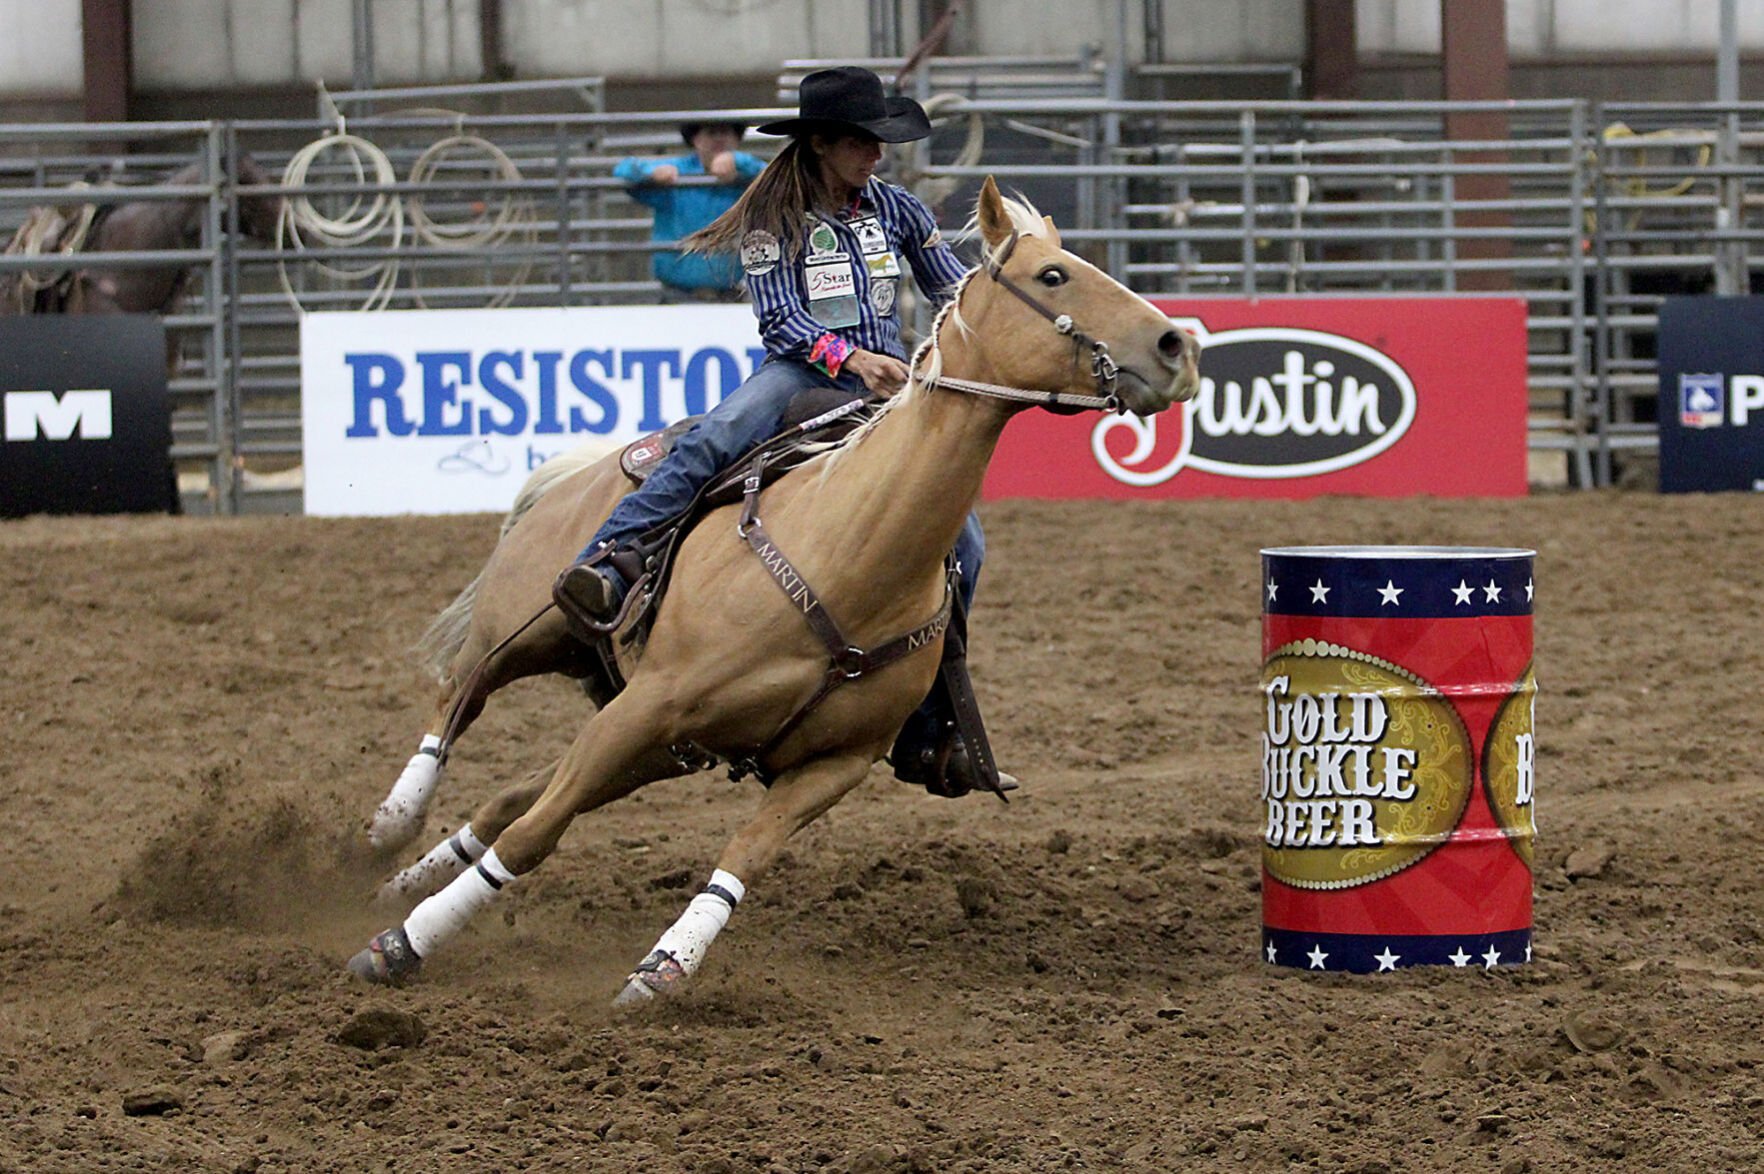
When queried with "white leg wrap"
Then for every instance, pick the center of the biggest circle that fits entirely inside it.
(446, 913)
(688, 938)
(400, 815)
(445, 861)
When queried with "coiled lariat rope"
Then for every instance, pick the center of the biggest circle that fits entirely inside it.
(514, 220)
(381, 218)
(305, 231)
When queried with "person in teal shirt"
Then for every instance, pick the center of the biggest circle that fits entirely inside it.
(683, 209)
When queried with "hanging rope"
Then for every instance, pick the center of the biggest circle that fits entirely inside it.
(367, 220)
(482, 233)
(304, 231)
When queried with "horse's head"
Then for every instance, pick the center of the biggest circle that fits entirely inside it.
(257, 213)
(1055, 322)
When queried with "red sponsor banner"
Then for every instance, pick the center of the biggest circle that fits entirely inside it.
(1377, 397)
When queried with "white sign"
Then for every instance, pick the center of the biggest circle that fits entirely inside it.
(448, 411)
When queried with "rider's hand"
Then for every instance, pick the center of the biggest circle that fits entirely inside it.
(882, 374)
(723, 166)
(664, 175)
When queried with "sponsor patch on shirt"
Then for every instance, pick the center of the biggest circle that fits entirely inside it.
(871, 238)
(822, 241)
(760, 252)
(832, 292)
(882, 293)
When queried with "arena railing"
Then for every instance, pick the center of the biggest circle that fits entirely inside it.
(74, 164)
(1182, 199)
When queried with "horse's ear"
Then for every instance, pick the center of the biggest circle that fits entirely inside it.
(989, 211)
(1053, 234)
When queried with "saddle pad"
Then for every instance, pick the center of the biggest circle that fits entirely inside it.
(642, 455)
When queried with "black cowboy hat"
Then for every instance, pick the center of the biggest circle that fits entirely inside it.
(690, 129)
(852, 96)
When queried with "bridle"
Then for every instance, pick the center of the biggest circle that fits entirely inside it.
(1102, 367)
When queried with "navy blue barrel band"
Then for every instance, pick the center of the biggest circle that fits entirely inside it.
(1397, 582)
(1370, 953)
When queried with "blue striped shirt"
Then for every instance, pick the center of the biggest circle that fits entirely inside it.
(780, 296)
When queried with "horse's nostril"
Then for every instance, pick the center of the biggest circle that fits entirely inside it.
(1170, 345)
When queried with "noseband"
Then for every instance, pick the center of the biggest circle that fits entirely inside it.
(1102, 367)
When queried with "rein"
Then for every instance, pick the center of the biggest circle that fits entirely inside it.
(1103, 368)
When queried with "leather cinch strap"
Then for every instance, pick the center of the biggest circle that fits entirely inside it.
(845, 660)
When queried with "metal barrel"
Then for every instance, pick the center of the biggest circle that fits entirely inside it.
(1397, 757)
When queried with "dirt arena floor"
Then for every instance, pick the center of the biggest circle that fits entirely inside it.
(199, 714)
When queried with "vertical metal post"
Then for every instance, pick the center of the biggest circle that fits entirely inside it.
(1154, 31)
(229, 306)
(1580, 391)
(885, 38)
(362, 49)
(1599, 406)
(1184, 200)
(1246, 126)
(1730, 260)
(1727, 54)
(1112, 214)
(564, 297)
(1448, 245)
(223, 423)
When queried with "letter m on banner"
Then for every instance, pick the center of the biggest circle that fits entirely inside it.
(30, 414)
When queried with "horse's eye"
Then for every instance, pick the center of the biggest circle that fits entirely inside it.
(1051, 276)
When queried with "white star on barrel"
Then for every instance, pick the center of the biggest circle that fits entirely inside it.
(1319, 593)
(1270, 951)
(1316, 956)
(1491, 958)
(1386, 960)
(1460, 959)
(1272, 591)
(1491, 593)
(1389, 592)
(1463, 592)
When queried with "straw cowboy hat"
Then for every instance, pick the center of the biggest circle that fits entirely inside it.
(852, 96)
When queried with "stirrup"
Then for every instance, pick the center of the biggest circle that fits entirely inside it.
(585, 627)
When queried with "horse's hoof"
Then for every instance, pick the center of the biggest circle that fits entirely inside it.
(388, 959)
(657, 974)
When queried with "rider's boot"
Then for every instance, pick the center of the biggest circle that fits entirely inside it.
(591, 591)
(931, 753)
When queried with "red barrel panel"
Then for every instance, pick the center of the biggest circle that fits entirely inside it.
(1397, 757)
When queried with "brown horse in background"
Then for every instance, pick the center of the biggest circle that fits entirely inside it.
(108, 223)
(732, 669)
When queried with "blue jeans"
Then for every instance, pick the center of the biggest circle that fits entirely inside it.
(749, 414)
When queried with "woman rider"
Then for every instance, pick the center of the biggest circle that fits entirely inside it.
(822, 243)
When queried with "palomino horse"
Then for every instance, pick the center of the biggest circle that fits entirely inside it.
(859, 533)
(109, 224)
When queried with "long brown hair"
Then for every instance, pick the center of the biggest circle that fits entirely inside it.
(778, 201)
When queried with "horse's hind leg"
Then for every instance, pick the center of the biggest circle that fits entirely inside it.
(399, 817)
(477, 671)
(796, 799)
(614, 755)
(465, 847)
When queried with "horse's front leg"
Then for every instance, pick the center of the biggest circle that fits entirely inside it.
(796, 799)
(616, 753)
(466, 846)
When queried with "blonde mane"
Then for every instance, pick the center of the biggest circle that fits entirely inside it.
(925, 366)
